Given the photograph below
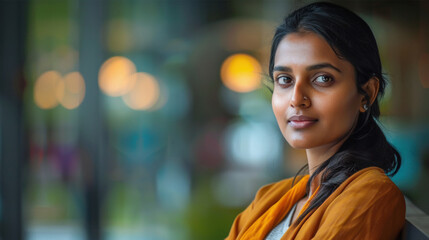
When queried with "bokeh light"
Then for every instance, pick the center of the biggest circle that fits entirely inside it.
(114, 76)
(71, 90)
(252, 144)
(46, 90)
(173, 182)
(144, 94)
(241, 73)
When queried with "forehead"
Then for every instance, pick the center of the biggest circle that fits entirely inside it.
(305, 49)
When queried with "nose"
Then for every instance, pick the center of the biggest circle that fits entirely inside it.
(300, 98)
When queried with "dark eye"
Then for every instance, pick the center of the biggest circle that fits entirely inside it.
(323, 80)
(283, 81)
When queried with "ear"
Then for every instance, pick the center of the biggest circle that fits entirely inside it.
(371, 88)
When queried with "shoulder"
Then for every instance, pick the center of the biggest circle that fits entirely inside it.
(368, 205)
(371, 182)
(368, 187)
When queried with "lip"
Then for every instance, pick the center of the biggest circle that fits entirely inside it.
(301, 121)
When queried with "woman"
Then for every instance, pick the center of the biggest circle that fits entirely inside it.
(327, 86)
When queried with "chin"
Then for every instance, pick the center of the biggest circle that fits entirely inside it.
(299, 145)
(303, 143)
(298, 142)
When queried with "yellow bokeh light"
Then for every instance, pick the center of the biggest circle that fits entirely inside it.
(144, 94)
(241, 73)
(71, 90)
(114, 76)
(45, 90)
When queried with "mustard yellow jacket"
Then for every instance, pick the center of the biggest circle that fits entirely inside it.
(368, 205)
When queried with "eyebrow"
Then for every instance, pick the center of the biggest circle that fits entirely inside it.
(309, 68)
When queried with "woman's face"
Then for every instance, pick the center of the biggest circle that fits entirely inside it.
(315, 98)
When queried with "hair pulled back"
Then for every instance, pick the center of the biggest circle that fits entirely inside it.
(351, 39)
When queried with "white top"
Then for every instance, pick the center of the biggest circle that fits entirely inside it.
(278, 232)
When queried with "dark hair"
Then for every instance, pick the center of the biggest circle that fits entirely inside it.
(351, 39)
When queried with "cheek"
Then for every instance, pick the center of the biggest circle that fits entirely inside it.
(279, 104)
(341, 110)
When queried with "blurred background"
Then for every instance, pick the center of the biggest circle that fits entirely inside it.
(151, 120)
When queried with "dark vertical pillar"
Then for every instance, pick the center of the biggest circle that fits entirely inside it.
(91, 25)
(13, 144)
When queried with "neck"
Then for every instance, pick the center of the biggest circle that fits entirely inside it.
(316, 157)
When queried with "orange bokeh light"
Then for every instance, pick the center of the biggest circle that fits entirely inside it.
(71, 90)
(45, 90)
(51, 88)
(241, 73)
(114, 76)
(144, 94)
